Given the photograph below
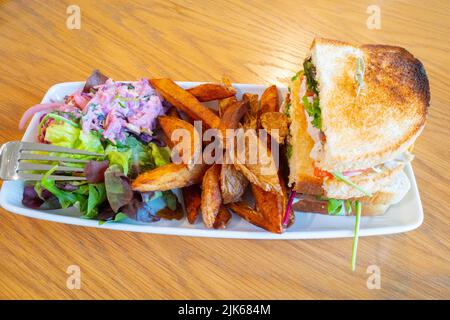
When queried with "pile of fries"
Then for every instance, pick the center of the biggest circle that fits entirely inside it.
(215, 190)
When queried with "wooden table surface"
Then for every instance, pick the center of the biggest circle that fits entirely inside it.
(251, 42)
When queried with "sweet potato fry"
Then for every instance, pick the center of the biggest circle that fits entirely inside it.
(253, 100)
(276, 124)
(271, 205)
(169, 176)
(211, 91)
(192, 201)
(227, 83)
(169, 126)
(172, 112)
(186, 102)
(232, 183)
(254, 217)
(251, 118)
(270, 100)
(225, 103)
(233, 114)
(211, 195)
(169, 214)
(222, 218)
(256, 162)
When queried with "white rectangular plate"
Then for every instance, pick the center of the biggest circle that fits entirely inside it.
(405, 216)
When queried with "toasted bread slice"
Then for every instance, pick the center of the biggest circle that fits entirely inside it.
(371, 182)
(391, 193)
(383, 120)
(301, 166)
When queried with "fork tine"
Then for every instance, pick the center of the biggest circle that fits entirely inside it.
(37, 177)
(26, 166)
(44, 157)
(29, 146)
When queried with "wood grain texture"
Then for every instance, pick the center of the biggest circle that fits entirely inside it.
(251, 42)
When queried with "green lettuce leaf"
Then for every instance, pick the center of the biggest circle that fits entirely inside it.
(65, 198)
(160, 155)
(121, 158)
(97, 195)
(336, 207)
(90, 142)
(289, 150)
(295, 77)
(62, 135)
(67, 135)
(310, 73)
(313, 110)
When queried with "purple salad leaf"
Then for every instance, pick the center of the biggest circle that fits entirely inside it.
(95, 171)
(45, 201)
(30, 198)
(66, 186)
(118, 187)
(95, 79)
(105, 212)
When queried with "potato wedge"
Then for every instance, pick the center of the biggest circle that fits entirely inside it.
(226, 82)
(276, 124)
(173, 112)
(272, 206)
(169, 176)
(252, 98)
(233, 114)
(169, 214)
(256, 162)
(222, 219)
(233, 183)
(254, 217)
(211, 195)
(211, 91)
(225, 103)
(185, 101)
(251, 118)
(270, 100)
(193, 144)
(192, 196)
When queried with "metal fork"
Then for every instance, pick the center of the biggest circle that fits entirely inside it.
(12, 166)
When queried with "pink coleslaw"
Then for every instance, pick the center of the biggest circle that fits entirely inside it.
(113, 109)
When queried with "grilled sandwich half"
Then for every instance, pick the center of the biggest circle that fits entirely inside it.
(355, 112)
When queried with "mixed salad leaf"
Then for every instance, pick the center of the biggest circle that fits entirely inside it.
(312, 107)
(339, 207)
(117, 120)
